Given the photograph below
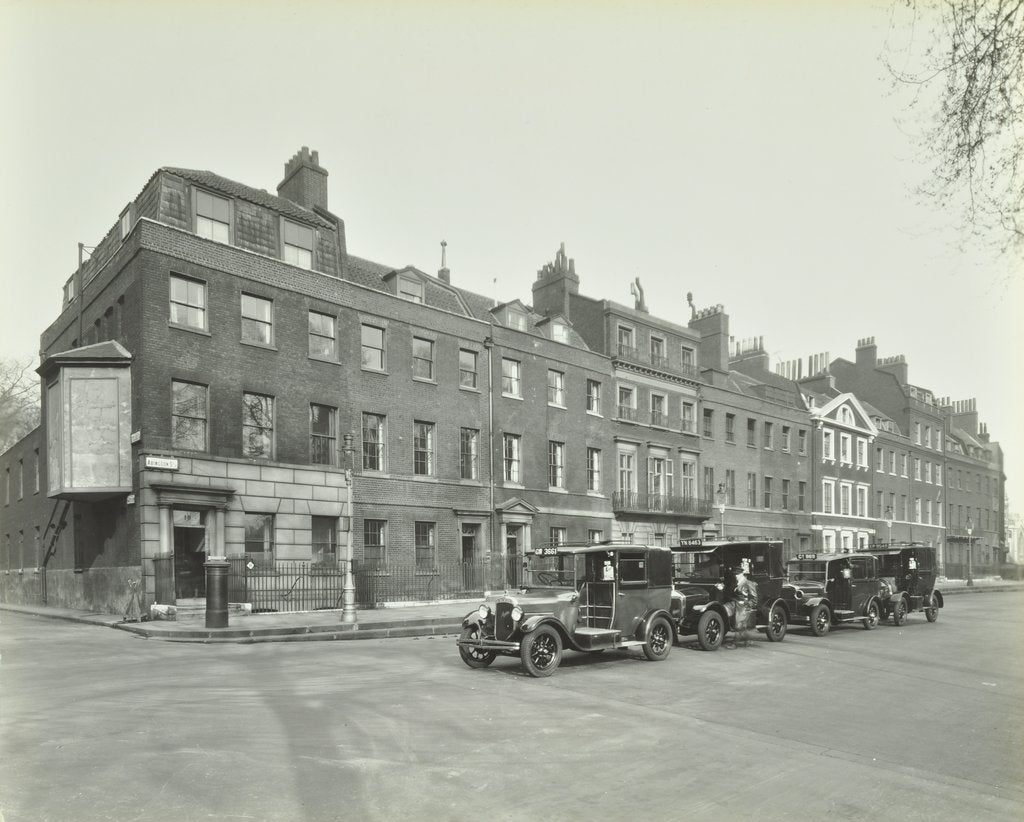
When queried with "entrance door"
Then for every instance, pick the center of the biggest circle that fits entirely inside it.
(513, 554)
(189, 554)
(472, 570)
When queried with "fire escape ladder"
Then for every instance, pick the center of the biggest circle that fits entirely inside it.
(58, 521)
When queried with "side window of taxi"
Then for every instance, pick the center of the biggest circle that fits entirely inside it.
(632, 569)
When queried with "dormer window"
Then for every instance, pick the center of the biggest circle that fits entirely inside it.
(298, 245)
(213, 217)
(559, 332)
(516, 320)
(846, 415)
(410, 288)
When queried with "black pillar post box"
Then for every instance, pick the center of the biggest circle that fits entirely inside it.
(216, 592)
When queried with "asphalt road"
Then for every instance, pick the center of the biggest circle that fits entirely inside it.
(920, 722)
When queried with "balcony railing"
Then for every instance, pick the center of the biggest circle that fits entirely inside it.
(628, 412)
(635, 502)
(641, 356)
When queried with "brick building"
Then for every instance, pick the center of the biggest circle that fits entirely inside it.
(225, 379)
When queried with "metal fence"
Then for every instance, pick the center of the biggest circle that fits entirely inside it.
(306, 586)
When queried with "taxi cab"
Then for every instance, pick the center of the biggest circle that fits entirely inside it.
(823, 590)
(583, 597)
(908, 569)
(703, 575)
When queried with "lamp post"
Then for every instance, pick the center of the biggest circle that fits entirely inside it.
(970, 551)
(888, 521)
(721, 505)
(348, 588)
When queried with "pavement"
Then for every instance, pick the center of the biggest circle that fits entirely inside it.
(427, 619)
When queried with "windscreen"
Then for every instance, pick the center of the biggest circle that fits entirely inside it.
(812, 571)
(549, 571)
(693, 566)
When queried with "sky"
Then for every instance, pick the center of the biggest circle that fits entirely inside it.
(755, 154)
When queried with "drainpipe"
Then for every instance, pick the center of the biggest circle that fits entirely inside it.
(81, 298)
(489, 345)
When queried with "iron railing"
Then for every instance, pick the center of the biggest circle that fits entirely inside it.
(660, 503)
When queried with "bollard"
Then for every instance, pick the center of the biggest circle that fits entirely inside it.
(216, 592)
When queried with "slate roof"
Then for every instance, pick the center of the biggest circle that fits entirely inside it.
(215, 182)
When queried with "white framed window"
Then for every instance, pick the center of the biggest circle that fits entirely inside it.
(828, 496)
(769, 434)
(917, 509)
(516, 320)
(259, 539)
(862, 453)
(786, 438)
(511, 378)
(469, 443)
(323, 434)
(593, 397)
(557, 535)
(938, 473)
(660, 479)
(374, 442)
(410, 288)
(324, 539)
(917, 433)
(880, 460)
(627, 403)
(847, 538)
(511, 459)
(828, 541)
(828, 447)
(594, 469)
(126, 222)
(213, 216)
(422, 358)
(917, 469)
(257, 320)
(189, 416)
(467, 368)
(187, 302)
(844, 498)
(689, 359)
(659, 414)
(559, 332)
(425, 545)
(658, 357)
(556, 464)
(373, 352)
(862, 501)
(627, 472)
(845, 452)
(423, 449)
(375, 542)
(297, 245)
(928, 472)
(322, 342)
(689, 420)
(595, 535)
(257, 426)
(626, 341)
(556, 388)
(688, 481)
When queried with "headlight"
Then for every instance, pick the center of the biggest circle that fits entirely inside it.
(720, 586)
(517, 614)
(483, 612)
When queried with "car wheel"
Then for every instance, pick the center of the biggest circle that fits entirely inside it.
(931, 613)
(899, 612)
(541, 651)
(475, 657)
(710, 630)
(873, 617)
(821, 620)
(658, 641)
(776, 630)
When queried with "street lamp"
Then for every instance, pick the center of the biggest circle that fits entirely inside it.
(348, 588)
(721, 505)
(970, 550)
(888, 521)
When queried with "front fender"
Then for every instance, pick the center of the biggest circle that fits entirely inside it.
(472, 618)
(811, 602)
(938, 599)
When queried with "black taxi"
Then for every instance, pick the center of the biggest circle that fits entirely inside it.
(823, 590)
(908, 570)
(585, 597)
(704, 578)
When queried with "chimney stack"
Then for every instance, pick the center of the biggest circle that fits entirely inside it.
(305, 181)
(867, 352)
(443, 273)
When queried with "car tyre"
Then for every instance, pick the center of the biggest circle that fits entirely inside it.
(776, 630)
(710, 630)
(658, 641)
(899, 612)
(541, 651)
(475, 657)
(821, 620)
(931, 613)
(873, 616)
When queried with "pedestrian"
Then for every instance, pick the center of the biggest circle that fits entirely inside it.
(745, 599)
